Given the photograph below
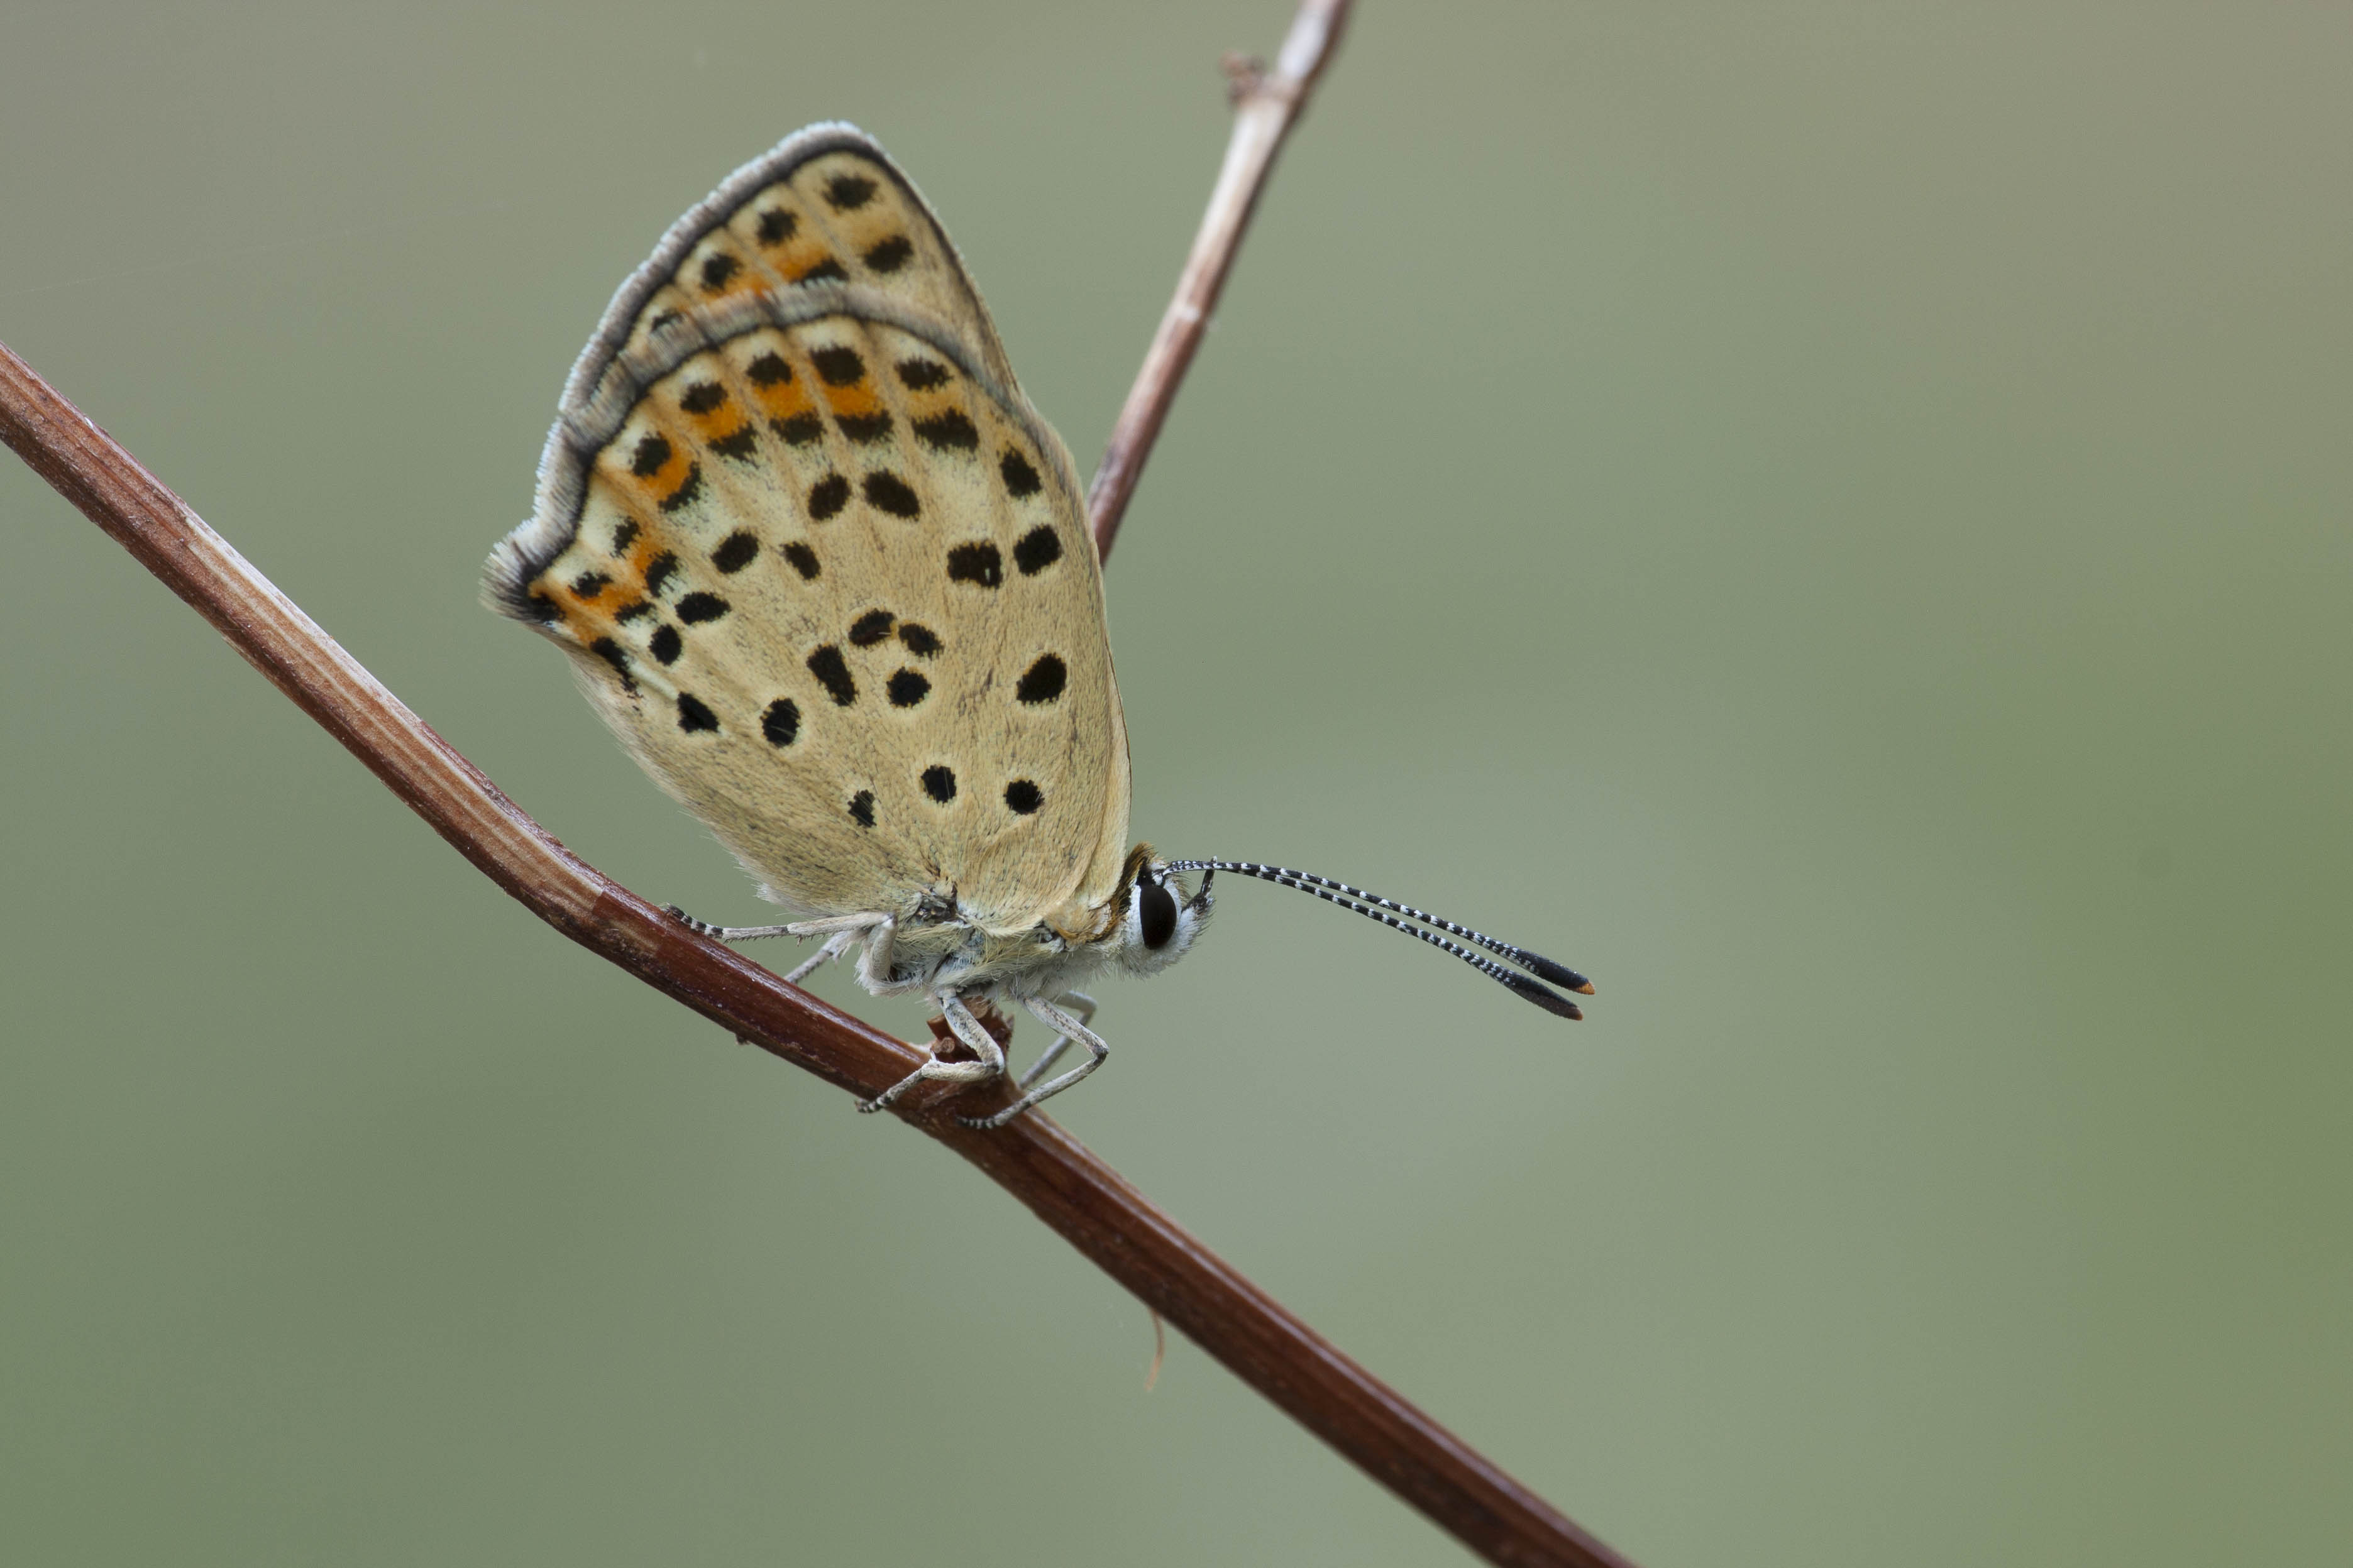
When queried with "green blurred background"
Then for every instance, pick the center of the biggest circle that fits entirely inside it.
(1833, 519)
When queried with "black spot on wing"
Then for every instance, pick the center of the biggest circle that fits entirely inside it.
(948, 429)
(741, 444)
(799, 430)
(804, 560)
(886, 492)
(698, 607)
(635, 609)
(1020, 478)
(828, 496)
(776, 225)
(939, 783)
(625, 535)
(908, 688)
(1023, 797)
(870, 629)
(652, 452)
(847, 192)
(864, 428)
(781, 722)
(1043, 681)
(693, 715)
(717, 269)
(977, 563)
(861, 808)
(735, 551)
(832, 672)
(920, 640)
(769, 369)
(922, 374)
(658, 572)
(1036, 550)
(666, 643)
(890, 255)
(703, 398)
(839, 365)
(589, 585)
(825, 271)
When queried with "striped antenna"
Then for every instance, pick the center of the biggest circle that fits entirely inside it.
(1372, 906)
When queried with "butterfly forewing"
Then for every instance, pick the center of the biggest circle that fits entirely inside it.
(826, 571)
(824, 209)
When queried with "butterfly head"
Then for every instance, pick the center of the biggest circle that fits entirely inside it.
(1157, 918)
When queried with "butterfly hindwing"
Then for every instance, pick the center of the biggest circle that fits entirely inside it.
(823, 568)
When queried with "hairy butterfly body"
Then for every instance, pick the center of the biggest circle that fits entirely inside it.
(828, 576)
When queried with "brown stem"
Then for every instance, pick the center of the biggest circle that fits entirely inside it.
(1266, 105)
(1064, 1183)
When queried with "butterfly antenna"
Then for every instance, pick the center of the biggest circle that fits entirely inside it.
(1372, 906)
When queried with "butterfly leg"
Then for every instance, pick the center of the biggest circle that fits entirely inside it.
(967, 1029)
(835, 945)
(844, 934)
(1061, 1023)
(726, 933)
(1078, 1002)
(840, 931)
(880, 935)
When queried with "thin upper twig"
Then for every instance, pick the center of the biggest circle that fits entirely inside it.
(1063, 1183)
(1267, 104)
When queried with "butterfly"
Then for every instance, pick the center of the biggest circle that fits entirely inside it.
(828, 576)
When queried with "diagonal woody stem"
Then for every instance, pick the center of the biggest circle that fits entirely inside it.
(1267, 104)
(1063, 1183)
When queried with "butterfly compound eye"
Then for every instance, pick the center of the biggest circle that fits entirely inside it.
(1155, 911)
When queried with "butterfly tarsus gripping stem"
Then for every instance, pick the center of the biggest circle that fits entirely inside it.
(1057, 1015)
(974, 1037)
